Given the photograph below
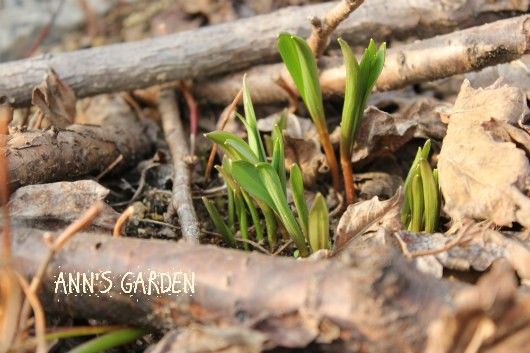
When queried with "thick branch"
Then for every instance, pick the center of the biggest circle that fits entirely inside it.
(376, 293)
(181, 201)
(237, 45)
(36, 157)
(430, 59)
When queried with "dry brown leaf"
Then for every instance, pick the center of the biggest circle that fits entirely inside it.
(198, 339)
(56, 100)
(483, 174)
(486, 318)
(477, 250)
(376, 184)
(61, 202)
(98, 109)
(368, 215)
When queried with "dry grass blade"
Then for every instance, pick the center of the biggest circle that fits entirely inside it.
(38, 312)
(120, 222)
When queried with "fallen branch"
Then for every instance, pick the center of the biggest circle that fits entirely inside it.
(430, 59)
(237, 45)
(372, 299)
(321, 30)
(181, 201)
(36, 157)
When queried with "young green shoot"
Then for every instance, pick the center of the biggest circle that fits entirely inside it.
(302, 67)
(360, 80)
(319, 224)
(422, 199)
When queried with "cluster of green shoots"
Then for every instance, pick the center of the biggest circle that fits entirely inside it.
(421, 204)
(257, 184)
(360, 80)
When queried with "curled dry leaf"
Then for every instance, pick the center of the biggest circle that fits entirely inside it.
(302, 145)
(489, 317)
(197, 339)
(367, 216)
(478, 248)
(483, 173)
(62, 202)
(10, 305)
(55, 100)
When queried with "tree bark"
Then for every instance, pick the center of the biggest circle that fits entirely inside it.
(458, 52)
(237, 45)
(35, 157)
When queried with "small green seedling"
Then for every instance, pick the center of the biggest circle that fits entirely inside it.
(253, 183)
(302, 67)
(319, 224)
(421, 204)
(360, 80)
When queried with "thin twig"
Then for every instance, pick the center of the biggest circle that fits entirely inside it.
(282, 248)
(46, 30)
(254, 244)
(56, 246)
(223, 120)
(140, 187)
(321, 32)
(120, 222)
(6, 113)
(38, 313)
(181, 201)
(110, 167)
(186, 91)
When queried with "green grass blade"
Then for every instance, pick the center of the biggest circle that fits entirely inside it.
(289, 54)
(271, 181)
(417, 205)
(242, 218)
(350, 94)
(297, 189)
(278, 156)
(109, 340)
(319, 224)
(217, 220)
(271, 226)
(254, 139)
(254, 215)
(248, 178)
(233, 145)
(430, 195)
(231, 207)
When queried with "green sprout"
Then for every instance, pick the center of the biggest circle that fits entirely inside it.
(360, 80)
(421, 204)
(302, 67)
(255, 183)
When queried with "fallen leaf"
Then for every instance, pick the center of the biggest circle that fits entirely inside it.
(478, 249)
(489, 317)
(198, 339)
(366, 216)
(55, 100)
(61, 202)
(483, 174)
(376, 184)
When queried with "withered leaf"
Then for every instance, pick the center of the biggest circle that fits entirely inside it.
(483, 173)
(61, 202)
(55, 100)
(363, 216)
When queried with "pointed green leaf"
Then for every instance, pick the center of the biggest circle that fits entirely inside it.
(417, 205)
(289, 54)
(242, 218)
(247, 176)
(297, 189)
(278, 152)
(319, 224)
(414, 170)
(350, 93)
(430, 195)
(233, 145)
(254, 139)
(271, 181)
(220, 225)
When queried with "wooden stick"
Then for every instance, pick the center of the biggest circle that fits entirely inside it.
(237, 45)
(430, 59)
(181, 201)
